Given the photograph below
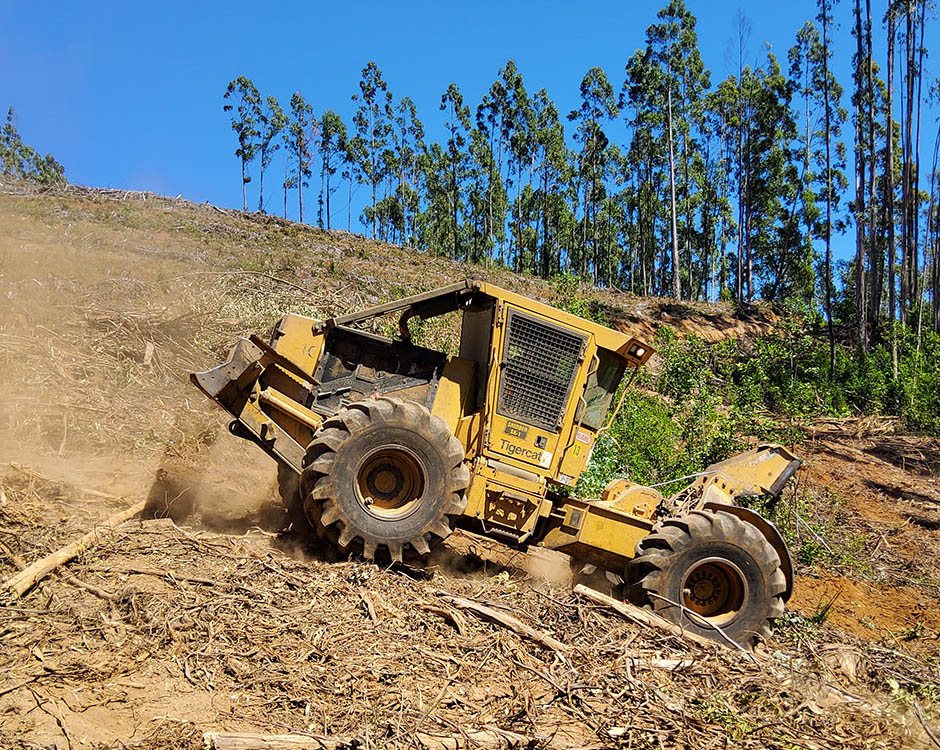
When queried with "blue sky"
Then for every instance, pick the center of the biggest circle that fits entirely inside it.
(129, 95)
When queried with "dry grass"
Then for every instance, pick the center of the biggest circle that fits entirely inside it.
(235, 632)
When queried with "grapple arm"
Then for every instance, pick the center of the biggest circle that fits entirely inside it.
(763, 470)
(265, 392)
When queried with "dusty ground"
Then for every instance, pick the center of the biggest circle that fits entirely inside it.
(220, 622)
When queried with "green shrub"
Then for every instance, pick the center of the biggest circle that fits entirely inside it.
(700, 402)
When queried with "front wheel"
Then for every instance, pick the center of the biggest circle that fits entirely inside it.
(384, 473)
(709, 570)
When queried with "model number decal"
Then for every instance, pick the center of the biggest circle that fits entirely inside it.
(516, 430)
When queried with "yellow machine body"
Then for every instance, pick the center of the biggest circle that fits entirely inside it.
(527, 396)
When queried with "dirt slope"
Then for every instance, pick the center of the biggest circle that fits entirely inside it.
(108, 300)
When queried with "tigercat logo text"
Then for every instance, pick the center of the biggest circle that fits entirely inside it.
(517, 450)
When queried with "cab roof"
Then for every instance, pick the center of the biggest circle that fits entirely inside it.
(467, 293)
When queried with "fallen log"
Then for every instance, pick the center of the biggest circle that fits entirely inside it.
(507, 621)
(486, 738)
(23, 581)
(248, 741)
(641, 616)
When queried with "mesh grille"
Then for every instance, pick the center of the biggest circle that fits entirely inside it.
(539, 363)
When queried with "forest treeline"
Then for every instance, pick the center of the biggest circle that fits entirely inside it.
(665, 183)
(22, 160)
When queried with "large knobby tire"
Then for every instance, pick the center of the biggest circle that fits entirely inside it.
(384, 473)
(716, 565)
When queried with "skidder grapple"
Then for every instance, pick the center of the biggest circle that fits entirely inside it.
(384, 447)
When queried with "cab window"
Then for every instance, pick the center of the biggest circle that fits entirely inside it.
(600, 388)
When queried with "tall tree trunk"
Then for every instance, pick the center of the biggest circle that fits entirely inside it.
(933, 228)
(320, 200)
(546, 252)
(828, 280)
(907, 179)
(676, 282)
(453, 177)
(874, 251)
(861, 306)
(915, 177)
(889, 189)
(932, 231)
(582, 261)
(244, 188)
(328, 196)
(373, 178)
(261, 186)
(742, 182)
(300, 186)
(594, 273)
(519, 248)
(688, 214)
(499, 172)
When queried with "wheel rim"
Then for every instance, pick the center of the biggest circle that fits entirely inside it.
(715, 589)
(390, 482)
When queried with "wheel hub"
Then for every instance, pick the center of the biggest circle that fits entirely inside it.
(716, 590)
(390, 482)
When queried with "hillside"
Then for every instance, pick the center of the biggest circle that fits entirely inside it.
(217, 622)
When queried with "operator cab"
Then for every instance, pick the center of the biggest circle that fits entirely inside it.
(529, 389)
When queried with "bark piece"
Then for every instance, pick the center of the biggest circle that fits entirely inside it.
(641, 616)
(248, 741)
(29, 576)
(507, 621)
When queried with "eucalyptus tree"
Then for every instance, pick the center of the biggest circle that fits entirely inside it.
(805, 58)
(550, 155)
(479, 199)
(271, 121)
(517, 122)
(661, 40)
(834, 181)
(673, 48)
(641, 97)
(13, 153)
(889, 191)
(456, 159)
(598, 105)
(298, 139)
(876, 253)
(332, 148)
(407, 135)
(354, 157)
(781, 259)
(244, 102)
(489, 123)
(860, 103)
(373, 128)
(22, 160)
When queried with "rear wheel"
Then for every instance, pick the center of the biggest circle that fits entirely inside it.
(718, 568)
(384, 476)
